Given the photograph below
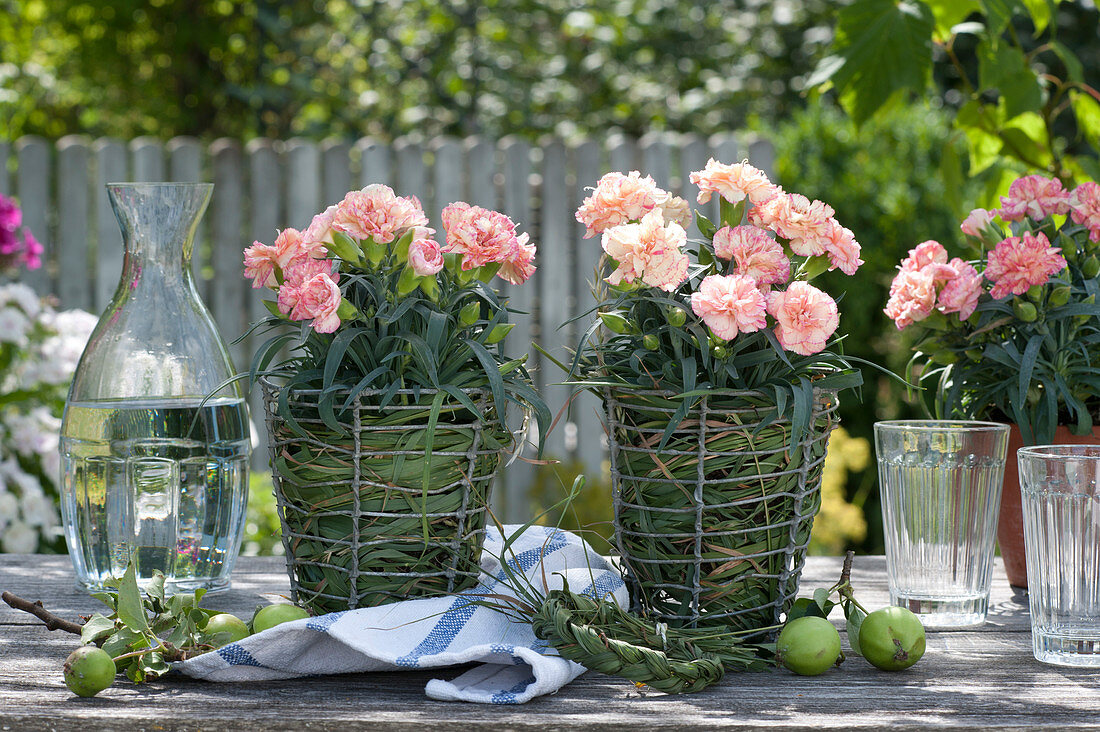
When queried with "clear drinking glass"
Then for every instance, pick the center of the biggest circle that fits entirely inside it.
(940, 485)
(1060, 495)
(154, 449)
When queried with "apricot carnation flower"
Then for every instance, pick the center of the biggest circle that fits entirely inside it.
(730, 304)
(805, 317)
(804, 223)
(649, 251)
(377, 213)
(1017, 263)
(912, 296)
(619, 199)
(842, 248)
(260, 261)
(1036, 196)
(734, 182)
(753, 253)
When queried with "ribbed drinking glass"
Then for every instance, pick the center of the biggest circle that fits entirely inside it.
(940, 485)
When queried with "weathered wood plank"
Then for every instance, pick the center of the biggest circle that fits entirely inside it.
(481, 187)
(982, 678)
(74, 267)
(411, 175)
(516, 204)
(335, 172)
(693, 157)
(585, 409)
(185, 166)
(448, 174)
(762, 155)
(303, 182)
(555, 288)
(230, 303)
(375, 162)
(148, 159)
(33, 187)
(657, 158)
(5, 175)
(265, 184)
(110, 167)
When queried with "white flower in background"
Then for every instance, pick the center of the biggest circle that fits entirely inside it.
(14, 325)
(59, 354)
(22, 297)
(20, 538)
(40, 348)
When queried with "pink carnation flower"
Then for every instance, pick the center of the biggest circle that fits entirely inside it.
(483, 237)
(730, 304)
(260, 261)
(1085, 208)
(960, 293)
(297, 272)
(318, 299)
(649, 250)
(734, 182)
(1017, 263)
(975, 221)
(805, 317)
(32, 250)
(619, 199)
(928, 254)
(842, 248)
(804, 223)
(425, 257)
(912, 296)
(377, 213)
(754, 254)
(1036, 196)
(11, 216)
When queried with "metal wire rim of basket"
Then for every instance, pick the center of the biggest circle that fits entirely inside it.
(359, 526)
(603, 637)
(713, 529)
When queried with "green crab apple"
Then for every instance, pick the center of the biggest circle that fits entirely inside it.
(89, 670)
(892, 638)
(808, 645)
(227, 626)
(271, 615)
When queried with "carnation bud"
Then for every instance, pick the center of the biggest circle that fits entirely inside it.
(651, 342)
(720, 352)
(1025, 311)
(616, 323)
(1059, 296)
(1035, 293)
(1070, 253)
(944, 357)
(498, 332)
(676, 317)
(1090, 267)
(469, 314)
(974, 354)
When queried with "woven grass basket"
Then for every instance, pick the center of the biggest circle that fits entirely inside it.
(359, 528)
(713, 529)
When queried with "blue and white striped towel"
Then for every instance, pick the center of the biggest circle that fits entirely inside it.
(434, 632)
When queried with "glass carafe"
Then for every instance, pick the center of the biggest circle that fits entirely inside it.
(154, 445)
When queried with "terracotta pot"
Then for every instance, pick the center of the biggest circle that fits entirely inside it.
(1010, 527)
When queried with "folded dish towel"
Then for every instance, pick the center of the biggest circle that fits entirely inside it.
(434, 632)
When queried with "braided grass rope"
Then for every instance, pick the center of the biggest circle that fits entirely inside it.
(713, 528)
(603, 637)
(359, 527)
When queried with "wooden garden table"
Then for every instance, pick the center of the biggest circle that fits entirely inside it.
(970, 678)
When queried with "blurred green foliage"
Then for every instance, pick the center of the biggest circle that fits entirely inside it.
(245, 68)
(882, 179)
(262, 532)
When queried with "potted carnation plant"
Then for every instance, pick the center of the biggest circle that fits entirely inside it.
(1009, 331)
(387, 418)
(712, 358)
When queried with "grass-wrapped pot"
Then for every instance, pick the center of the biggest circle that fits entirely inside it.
(369, 514)
(713, 527)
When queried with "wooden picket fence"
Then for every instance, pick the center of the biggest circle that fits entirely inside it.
(266, 185)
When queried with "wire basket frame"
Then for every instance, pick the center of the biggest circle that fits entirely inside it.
(713, 528)
(359, 527)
